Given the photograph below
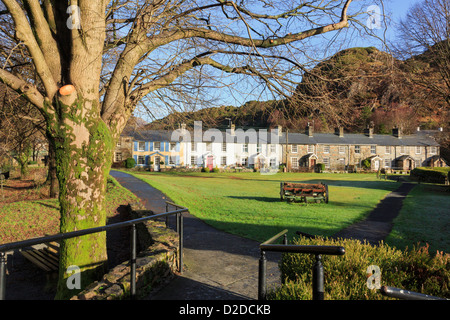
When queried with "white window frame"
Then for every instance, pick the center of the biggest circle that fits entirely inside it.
(141, 146)
(294, 148)
(418, 150)
(341, 149)
(224, 147)
(223, 161)
(326, 162)
(373, 149)
(294, 162)
(193, 160)
(326, 149)
(387, 150)
(357, 149)
(173, 146)
(140, 160)
(157, 145)
(310, 148)
(245, 148)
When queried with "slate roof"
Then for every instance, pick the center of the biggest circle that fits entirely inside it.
(359, 139)
(265, 136)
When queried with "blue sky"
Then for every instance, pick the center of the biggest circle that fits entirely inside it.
(394, 9)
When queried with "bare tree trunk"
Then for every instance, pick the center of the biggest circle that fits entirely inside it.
(83, 149)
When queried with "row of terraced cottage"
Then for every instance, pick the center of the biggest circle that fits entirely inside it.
(233, 147)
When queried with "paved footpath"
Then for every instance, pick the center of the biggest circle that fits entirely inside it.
(378, 224)
(218, 265)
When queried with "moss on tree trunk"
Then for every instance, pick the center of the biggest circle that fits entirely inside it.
(83, 150)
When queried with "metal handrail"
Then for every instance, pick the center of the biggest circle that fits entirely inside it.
(406, 294)
(62, 236)
(318, 251)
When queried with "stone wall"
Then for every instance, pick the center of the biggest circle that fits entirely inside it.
(156, 262)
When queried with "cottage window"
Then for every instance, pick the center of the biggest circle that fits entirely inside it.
(310, 148)
(118, 157)
(258, 148)
(141, 146)
(173, 147)
(387, 150)
(224, 147)
(341, 149)
(223, 161)
(294, 162)
(157, 146)
(418, 149)
(326, 162)
(294, 148)
(244, 161)
(373, 149)
(193, 160)
(387, 163)
(273, 162)
(140, 160)
(273, 148)
(433, 150)
(245, 147)
(326, 149)
(357, 149)
(193, 146)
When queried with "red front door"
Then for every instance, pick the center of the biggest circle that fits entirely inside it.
(209, 162)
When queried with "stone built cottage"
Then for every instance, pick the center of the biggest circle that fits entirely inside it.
(262, 148)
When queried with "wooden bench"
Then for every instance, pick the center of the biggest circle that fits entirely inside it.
(45, 257)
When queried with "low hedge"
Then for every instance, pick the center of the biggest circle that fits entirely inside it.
(346, 276)
(432, 175)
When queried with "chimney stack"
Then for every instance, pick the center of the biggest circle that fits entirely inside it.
(232, 129)
(309, 130)
(369, 132)
(339, 131)
(397, 132)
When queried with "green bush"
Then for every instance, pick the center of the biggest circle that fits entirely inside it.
(130, 163)
(346, 276)
(432, 175)
(205, 169)
(216, 170)
(320, 167)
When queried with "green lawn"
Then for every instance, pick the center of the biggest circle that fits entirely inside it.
(424, 218)
(30, 219)
(248, 204)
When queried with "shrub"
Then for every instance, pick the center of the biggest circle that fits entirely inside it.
(205, 169)
(346, 276)
(130, 163)
(320, 167)
(428, 174)
(216, 169)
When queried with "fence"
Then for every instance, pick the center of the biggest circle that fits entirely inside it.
(62, 236)
(318, 272)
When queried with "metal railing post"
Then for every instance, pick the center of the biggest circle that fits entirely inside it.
(3, 262)
(262, 276)
(133, 263)
(318, 279)
(167, 217)
(180, 241)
